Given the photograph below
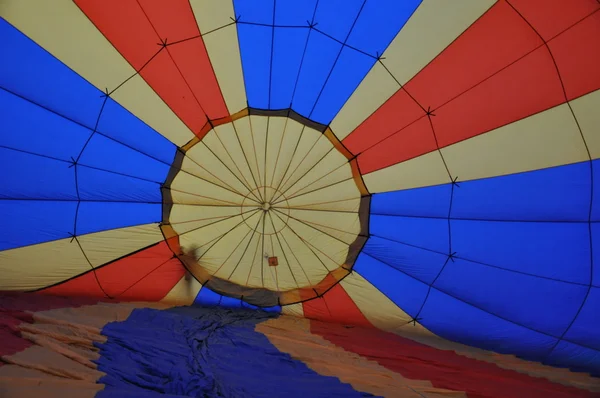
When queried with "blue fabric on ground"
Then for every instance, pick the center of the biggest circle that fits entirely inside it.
(204, 352)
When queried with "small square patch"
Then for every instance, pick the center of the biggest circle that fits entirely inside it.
(273, 261)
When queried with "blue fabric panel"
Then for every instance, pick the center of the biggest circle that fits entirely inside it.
(596, 254)
(205, 352)
(121, 125)
(458, 321)
(554, 250)
(27, 176)
(28, 127)
(336, 17)
(540, 304)
(554, 194)
(294, 12)
(255, 11)
(106, 154)
(36, 75)
(596, 198)
(207, 298)
(28, 222)
(102, 216)
(378, 24)
(255, 48)
(575, 357)
(423, 265)
(584, 330)
(288, 48)
(276, 309)
(98, 185)
(428, 233)
(405, 291)
(349, 70)
(230, 302)
(425, 202)
(320, 56)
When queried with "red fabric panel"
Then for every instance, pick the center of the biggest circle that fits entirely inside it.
(125, 24)
(527, 87)
(577, 55)
(494, 41)
(147, 275)
(175, 21)
(445, 369)
(414, 140)
(13, 309)
(335, 306)
(549, 18)
(396, 113)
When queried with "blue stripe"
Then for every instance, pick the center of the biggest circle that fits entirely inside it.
(329, 71)
(575, 357)
(585, 328)
(98, 185)
(405, 291)
(27, 222)
(101, 216)
(194, 351)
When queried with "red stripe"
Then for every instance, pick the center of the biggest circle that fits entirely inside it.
(445, 369)
(137, 33)
(335, 306)
(13, 309)
(549, 18)
(147, 275)
(495, 73)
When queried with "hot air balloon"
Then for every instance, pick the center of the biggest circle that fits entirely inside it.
(311, 198)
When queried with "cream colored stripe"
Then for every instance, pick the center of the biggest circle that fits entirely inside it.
(332, 168)
(587, 112)
(184, 218)
(343, 226)
(332, 197)
(433, 26)
(293, 335)
(200, 162)
(44, 264)
(187, 189)
(376, 306)
(64, 30)
(184, 292)
(223, 48)
(296, 310)
(246, 137)
(547, 139)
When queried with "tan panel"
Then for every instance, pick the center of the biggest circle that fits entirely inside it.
(547, 139)
(334, 167)
(292, 133)
(587, 112)
(191, 190)
(275, 140)
(349, 205)
(423, 171)
(296, 310)
(106, 246)
(306, 257)
(55, 24)
(309, 157)
(184, 218)
(41, 265)
(258, 131)
(436, 24)
(48, 263)
(332, 196)
(211, 14)
(343, 226)
(244, 133)
(331, 251)
(226, 145)
(184, 292)
(224, 52)
(210, 169)
(375, 306)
